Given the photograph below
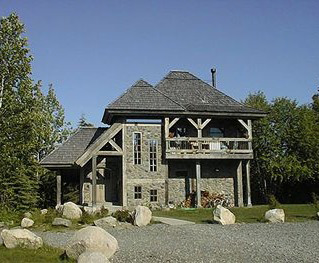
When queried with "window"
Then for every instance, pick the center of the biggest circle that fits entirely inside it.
(216, 132)
(138, 192)
(153, 195)
(153, 155)
(137, 147)
(181, 174)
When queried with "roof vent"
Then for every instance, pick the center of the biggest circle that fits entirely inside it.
(213, 71)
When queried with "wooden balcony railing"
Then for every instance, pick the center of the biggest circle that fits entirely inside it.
(193, 145)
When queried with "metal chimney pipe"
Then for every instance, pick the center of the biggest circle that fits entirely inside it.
(213, 71)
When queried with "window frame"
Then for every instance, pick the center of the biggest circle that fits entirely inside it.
(139, 154)
(138, 192)
(153, 195)
(153, 166)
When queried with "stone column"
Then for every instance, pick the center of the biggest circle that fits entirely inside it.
(198, 192)
(58, 190)
(124, 180)
(248, 183)
(94, 181)
(240, 199)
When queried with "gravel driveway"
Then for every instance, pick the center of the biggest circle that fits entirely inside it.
(289, 242)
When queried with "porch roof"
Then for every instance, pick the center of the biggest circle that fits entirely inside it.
(66, 154)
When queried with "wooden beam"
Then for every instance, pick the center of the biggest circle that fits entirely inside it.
(192, 122)
(173, 122)
(58, 189)
(115, 146)
(250, 129)
(198, 191)
(124, 186)
(199, 130)
(244, 124)
(166, 127)
(248, 183)
(94, 181)
(240, 200)
(111, 153)
(99, 143)
(81, 184)
(205, 123)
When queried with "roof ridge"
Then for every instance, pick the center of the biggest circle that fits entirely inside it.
(125, 92)
(166, 96)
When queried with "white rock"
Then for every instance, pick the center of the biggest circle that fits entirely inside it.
(71, 211)
(92, 257)
(93, 239)
(106, 222)
(26, 222)
(275, 216)
(59, 208)
(44, 211)
(142, 215)
(61, 222)
(21, 238)
(223, 216)
(318, 215)
(27, 215)
(1, 240)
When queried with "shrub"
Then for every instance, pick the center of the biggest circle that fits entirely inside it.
(86, 218)
(104, 212)
(273, 202)
(123, 216)
(315, 200)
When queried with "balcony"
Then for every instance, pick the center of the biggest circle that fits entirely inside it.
(208, 148)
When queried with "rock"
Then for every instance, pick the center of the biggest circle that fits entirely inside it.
(21, 238)
(61, 222)
(275, 216)
(92, 257)
(142, 215)
(44, 211)
(93, 239)
(318, 215)
(2, 224)
(1, 240)
(26, 222)
(59, 208)
(27, 215)
(105, 222)
(71, 211)
(223, 216)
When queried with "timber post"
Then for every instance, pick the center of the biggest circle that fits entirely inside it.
(240, 199)
(249, 204)
(198, 192)
(58, 189)
(94, 180)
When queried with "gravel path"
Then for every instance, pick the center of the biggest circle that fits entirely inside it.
(289, 242)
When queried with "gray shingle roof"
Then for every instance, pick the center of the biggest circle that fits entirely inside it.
(178, 91)
(74, 147)
(142, 96)
(197, 95)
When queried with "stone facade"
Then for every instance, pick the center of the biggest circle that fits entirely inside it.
(140, 174)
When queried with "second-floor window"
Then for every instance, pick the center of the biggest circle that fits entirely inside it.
(137, 147)
(153, 155)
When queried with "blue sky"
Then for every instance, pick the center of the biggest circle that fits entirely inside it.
(94, 50)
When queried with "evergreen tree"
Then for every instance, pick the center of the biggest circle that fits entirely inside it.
(83, 122)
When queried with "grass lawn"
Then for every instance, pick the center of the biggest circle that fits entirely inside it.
(255, 214)
(20, 255)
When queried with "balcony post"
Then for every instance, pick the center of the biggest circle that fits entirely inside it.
(58, 190)
(199, 128)
(240, 200)
(94, 181)
(248, 183)
(198, 191)
(166, 127)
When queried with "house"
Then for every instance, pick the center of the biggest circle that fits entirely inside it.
(162, 143)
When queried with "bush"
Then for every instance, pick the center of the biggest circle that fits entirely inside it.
(86, 218)
(273, 202)
(123, 216)
(315, 200)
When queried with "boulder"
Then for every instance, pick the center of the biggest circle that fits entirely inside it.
(275, 216)
(71, 211)
(92, 239)
(61, 222)
(142, 215)
(44, 211)
(105, 222)
(92, 257)
(26, 222)
(21, 238)
(59, 208)
(27, 215)
(318, 215)
(1, 240)
(223, 216)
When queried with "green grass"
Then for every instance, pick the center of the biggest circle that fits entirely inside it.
(20, 255)
(255, 214)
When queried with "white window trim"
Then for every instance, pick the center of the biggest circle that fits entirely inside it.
(134, 148)
(149, 155)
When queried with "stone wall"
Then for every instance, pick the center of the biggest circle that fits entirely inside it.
(140, 174)
(217, 176)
